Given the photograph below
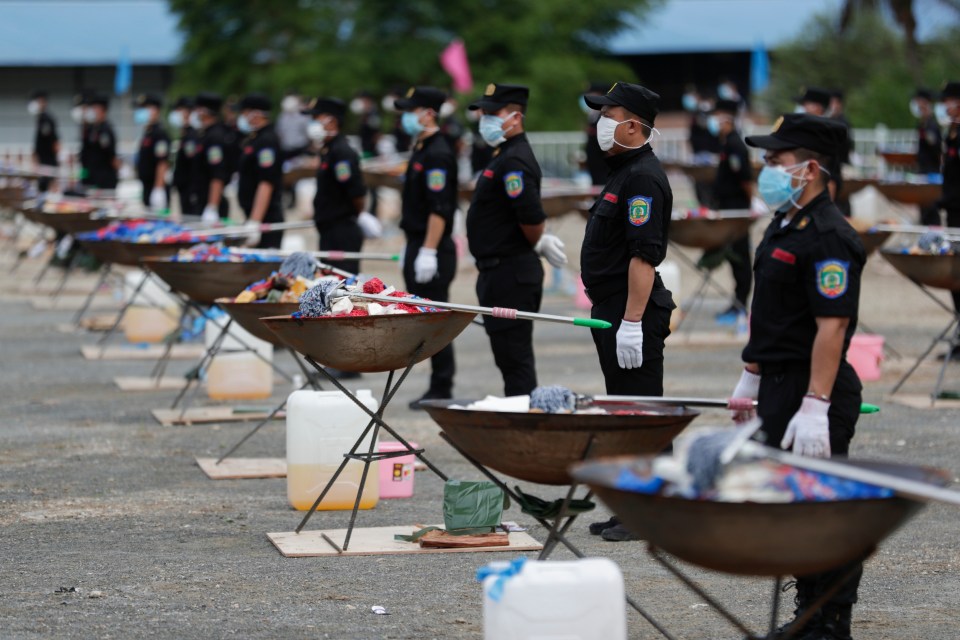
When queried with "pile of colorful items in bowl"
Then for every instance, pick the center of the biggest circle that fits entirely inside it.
(331, 299)
(218, 252)
(69, 206)
(144, 231)
(931, 243)
(279, 287)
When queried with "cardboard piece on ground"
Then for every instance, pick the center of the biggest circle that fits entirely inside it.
(680, 338)
(148, 383)
(72, 303)
(922, 401)
(210, 415)
(147, 352)
(241, 468)
(101, 322)
(376, 541)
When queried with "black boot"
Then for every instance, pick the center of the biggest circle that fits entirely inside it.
(836, 621)
(806, 595)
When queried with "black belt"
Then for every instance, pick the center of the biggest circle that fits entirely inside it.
(484, 264)
(787, 366)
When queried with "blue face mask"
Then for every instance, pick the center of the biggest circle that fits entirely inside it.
(491, 130)
(410, 124)
(775, 186)
(243, 124)
(690, 102)
(713, 126)
(141, 116)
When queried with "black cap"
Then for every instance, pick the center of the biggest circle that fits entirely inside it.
(632, 97)
(183, 102)
(726, 106)
(950, 90)
(98, 99)
(803, 131)
(207, 100)
(924, 93)
(426, 97)
(497, 96)
(331, 106)
(39, 93)
(815, 95)
(148, 100)
(256, 101)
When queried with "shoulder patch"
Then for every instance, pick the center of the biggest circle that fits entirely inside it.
(436, 180)
(513, 182)
(190, 148)
(266, 158)
(160, 149)
(105, 140)
(832, 278)
(638, 210)
(342, 170)
(735, 164)
(215, 155)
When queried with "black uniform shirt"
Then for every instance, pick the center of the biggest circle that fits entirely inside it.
(97, 154)
(211, 160)
(806, 270)
(630, 219)
(186, 153)
(430, 185)
(154, 149)
(507, 195)
(45, 142)
(733, 171)
(929, 145)
(260, 161)
(369, 131)
(339, 182)
(951, 169)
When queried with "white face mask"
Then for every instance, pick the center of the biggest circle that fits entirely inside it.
(175, 119)
(195, 120)
(89, 115)
(317, 132)
(76, 114)
(33, 107)
(607, 129)
(357, 106)
(447, 109)
(942, 114)
(290, 104)
(915, 109)
(387, 104)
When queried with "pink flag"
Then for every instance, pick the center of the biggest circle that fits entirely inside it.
(453, 59)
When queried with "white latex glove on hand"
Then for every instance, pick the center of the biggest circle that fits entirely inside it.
(210, 215)
(158, 199)
(425, 265)
(746, 391)
(369, 225)
(630, 345)
(253, 233)
(551, 247)
(809, 429)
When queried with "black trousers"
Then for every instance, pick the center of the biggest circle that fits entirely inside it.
(741, 265)
(953, 220)
(781, 392)
(443, 364)
(517, 283)
(189, 205)
(342, 235)
(648, 379)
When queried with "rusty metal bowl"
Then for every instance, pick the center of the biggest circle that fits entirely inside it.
(852, 185)
(248, 314)
(370, 344)
(899, 158)
(709, 233)
(204, 282)
(561, 200)
(71, 222)
(873, 240)
(540, 447)
(939, 272)
(923, 195)
(131, 254)
(747, 538)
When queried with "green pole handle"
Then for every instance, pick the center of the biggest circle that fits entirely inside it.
(869, 408)
(592, 323)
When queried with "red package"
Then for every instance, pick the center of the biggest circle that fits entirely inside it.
(373, 285)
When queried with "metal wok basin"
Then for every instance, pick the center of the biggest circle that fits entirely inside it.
(873, 240)
(939, 272)
(71, 222)
(540, 447)
(709, 233)
(923, 195)
(756, 539)
(130, 254)
(248, 314)
(368, 344)
(204, 282)
(559, 201)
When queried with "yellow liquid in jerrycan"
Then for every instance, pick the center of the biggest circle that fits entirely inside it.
(306, 481)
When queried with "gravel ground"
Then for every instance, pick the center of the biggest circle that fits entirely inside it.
(97, 497)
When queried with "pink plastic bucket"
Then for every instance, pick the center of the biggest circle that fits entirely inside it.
(396, 474)
(865, 354)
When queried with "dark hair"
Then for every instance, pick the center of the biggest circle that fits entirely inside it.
(824, 161)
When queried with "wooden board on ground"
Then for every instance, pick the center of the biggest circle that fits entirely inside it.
(211, 415)
(922, 401)
(145, 352)
(149, 383)
(376, 541)
(681, 338)
(243, 468)
(72, 303)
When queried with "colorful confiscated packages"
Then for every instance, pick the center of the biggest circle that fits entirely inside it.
(218, 252)
(931, 243)
(319, 303)
(142, 231)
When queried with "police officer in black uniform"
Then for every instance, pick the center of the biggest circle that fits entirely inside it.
(929, 146)
(189, 139)
(46, 142)
(98, 152)
(211, 165)
(505, 228)
(950, 197)
(804, 313)
(260, 188)
(732, 189)
(429, 203)
(625, 240)
(340, 201)
(153, 156)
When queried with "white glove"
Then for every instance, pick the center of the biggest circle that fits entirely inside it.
(425, 265)
(551, 247)
(210, 215)
(158, 199)
(253, 233)
(630, 345)
(809, 429)
(369, 225)
(746, 391)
